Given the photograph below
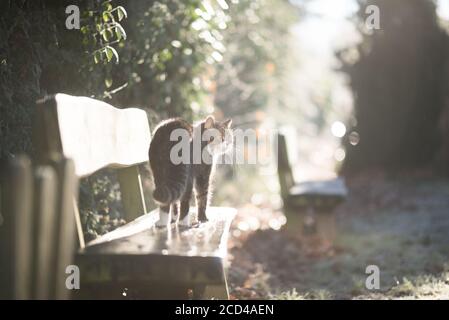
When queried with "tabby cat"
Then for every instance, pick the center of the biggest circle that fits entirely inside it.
(174, 181)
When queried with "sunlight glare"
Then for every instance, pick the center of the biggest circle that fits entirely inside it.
(443, 9)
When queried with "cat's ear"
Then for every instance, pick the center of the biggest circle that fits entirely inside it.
(209, 123)
(227, 123)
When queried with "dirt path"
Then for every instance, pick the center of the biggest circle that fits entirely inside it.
(400, 226)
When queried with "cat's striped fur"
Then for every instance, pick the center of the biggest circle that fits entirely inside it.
(174, 183)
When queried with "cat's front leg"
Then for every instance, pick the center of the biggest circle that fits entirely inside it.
(164, 216)
(202, 196)
(174, 212)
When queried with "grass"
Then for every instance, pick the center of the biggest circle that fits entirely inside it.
(294, 295)
(403, 228)
(422, 287)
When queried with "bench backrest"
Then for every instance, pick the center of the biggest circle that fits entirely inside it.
(286, 180)
(96, 135)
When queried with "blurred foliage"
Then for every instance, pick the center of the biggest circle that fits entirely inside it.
(397, 78)
(170, 51)
(169, 57)
(249, 83)
(39, 56)
(100, 204)
(257, 41)
(34, 58)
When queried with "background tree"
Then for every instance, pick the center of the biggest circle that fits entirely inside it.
(397, 78)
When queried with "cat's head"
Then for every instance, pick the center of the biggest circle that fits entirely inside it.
(217, 135)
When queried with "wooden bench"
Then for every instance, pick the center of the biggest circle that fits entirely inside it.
(136, 260)
(37, 228)
(308, 204)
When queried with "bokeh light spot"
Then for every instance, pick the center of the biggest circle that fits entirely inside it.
(338, 129)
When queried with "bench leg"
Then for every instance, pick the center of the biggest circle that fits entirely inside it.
(216, 292)
(213, 292)
(326, 226)
(301, 222)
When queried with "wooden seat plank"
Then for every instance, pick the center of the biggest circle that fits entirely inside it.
(141, 257)
(333, 188)
(142, 223)
(141, 238)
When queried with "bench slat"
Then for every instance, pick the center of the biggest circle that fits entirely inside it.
(335, 187)
(65, 225)
(45, 187)
(132, 192)
(16, 230)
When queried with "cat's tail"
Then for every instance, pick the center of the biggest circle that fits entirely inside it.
(172, 189)
(164, 195)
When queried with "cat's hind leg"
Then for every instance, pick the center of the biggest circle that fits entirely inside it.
(184, 218)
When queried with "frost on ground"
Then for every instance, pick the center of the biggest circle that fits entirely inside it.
(401, 225)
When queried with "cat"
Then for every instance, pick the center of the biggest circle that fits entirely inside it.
(174, 182)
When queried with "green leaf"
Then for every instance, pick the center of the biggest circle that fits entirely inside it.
(110, 53)
(120, 32)
(107, 16)
(165, 55)
(104, 35)
(97, 56)
(107, 5)
(107, 34)
(108, 82)
(121, 12)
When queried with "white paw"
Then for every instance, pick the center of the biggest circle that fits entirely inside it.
(185, 222)
(164, 219)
